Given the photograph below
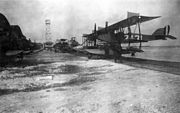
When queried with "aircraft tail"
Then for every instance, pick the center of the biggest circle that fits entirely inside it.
(163, 33)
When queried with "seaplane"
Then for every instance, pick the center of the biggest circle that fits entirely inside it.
(108, 41)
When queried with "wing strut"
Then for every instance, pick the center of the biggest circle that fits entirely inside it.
(129, 35)
(140, 38)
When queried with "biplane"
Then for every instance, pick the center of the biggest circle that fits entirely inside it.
(108, 41)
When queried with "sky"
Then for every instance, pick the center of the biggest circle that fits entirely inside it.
(76, 17)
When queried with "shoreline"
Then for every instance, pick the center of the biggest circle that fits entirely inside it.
(162, 66)
(171, 67)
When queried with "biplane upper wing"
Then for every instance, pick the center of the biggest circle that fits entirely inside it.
(130, 21)
(122, 24)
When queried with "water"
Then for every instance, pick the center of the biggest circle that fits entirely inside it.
(171, 53)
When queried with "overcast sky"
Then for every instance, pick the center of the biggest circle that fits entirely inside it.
(75, 17)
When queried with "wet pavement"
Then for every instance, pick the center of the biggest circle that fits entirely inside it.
(49, 82)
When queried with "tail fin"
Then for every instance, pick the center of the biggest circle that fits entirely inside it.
(162, 31)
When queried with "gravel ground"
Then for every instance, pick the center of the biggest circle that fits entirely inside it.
(62, 83)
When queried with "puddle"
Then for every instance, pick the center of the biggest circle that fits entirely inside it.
(79, 81)
(29, 88)
(66, 69)
(131, 69)
(60, 89)
(85, 88)
(41, 68)
(44, 78)
(90, 73)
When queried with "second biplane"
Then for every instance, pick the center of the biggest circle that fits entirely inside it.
(108, 41)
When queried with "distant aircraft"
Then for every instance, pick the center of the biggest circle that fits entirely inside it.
(111, 37)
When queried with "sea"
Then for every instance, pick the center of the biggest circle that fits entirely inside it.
(162, 53)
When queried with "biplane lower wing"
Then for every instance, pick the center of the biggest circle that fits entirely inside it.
(133, 41)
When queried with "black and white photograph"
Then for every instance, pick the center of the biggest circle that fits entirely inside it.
(89, 56)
